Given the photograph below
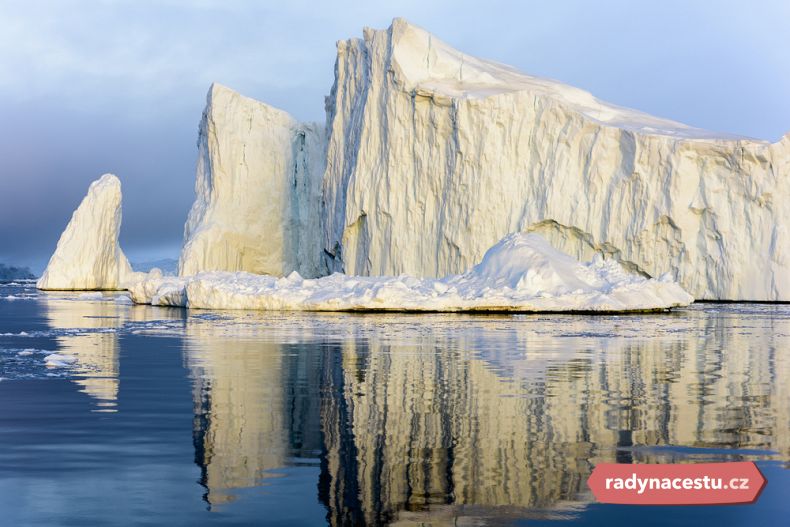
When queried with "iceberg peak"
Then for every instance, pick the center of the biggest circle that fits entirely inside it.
(429, 66)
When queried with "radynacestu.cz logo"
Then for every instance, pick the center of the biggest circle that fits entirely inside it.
(677, 484)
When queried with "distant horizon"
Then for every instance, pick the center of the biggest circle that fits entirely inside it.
(120, 88)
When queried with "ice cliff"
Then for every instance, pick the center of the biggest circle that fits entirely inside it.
(258, 190)
(434, 155)
(88, 255)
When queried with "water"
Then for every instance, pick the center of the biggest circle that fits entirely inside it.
(174, 417)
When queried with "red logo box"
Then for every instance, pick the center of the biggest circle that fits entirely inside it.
(677, 484)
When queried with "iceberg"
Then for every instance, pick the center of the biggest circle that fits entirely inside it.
(521, 273)
(258, 190)
(429, 157)
(434, 155)
(88, 256)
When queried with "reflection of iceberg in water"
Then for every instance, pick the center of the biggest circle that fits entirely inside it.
(429, 430)
(240, 431)
(88, 331)
(436, 418)
(89, 334)
(423, 431)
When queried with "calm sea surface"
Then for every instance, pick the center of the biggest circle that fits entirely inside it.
(160, 416)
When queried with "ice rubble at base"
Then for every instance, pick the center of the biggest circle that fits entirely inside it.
(88, 256)
(520, 273)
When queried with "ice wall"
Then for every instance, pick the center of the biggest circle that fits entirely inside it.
(258, 190)
(434, 155)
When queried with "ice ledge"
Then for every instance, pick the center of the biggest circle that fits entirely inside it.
(521, 273)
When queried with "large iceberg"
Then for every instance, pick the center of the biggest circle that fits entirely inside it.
(429, 157)
(521, 273)
(258, 190)
(88, 256)
(434, 155)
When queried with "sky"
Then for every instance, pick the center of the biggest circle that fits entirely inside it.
(95, 86)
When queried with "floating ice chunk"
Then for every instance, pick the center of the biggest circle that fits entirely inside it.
(58, 360)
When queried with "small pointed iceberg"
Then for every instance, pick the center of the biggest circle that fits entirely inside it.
(88, 256)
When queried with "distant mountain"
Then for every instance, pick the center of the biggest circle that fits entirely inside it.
(168, 266)
(10, 272)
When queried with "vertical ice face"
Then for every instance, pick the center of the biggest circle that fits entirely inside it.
(258, 190)
(87, 255)
(434, 155)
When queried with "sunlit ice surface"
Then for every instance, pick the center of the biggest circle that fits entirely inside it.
(115, 413)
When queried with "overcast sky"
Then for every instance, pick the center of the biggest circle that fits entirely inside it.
(88, 87)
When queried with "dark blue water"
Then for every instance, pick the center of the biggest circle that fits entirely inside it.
(157, 416)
